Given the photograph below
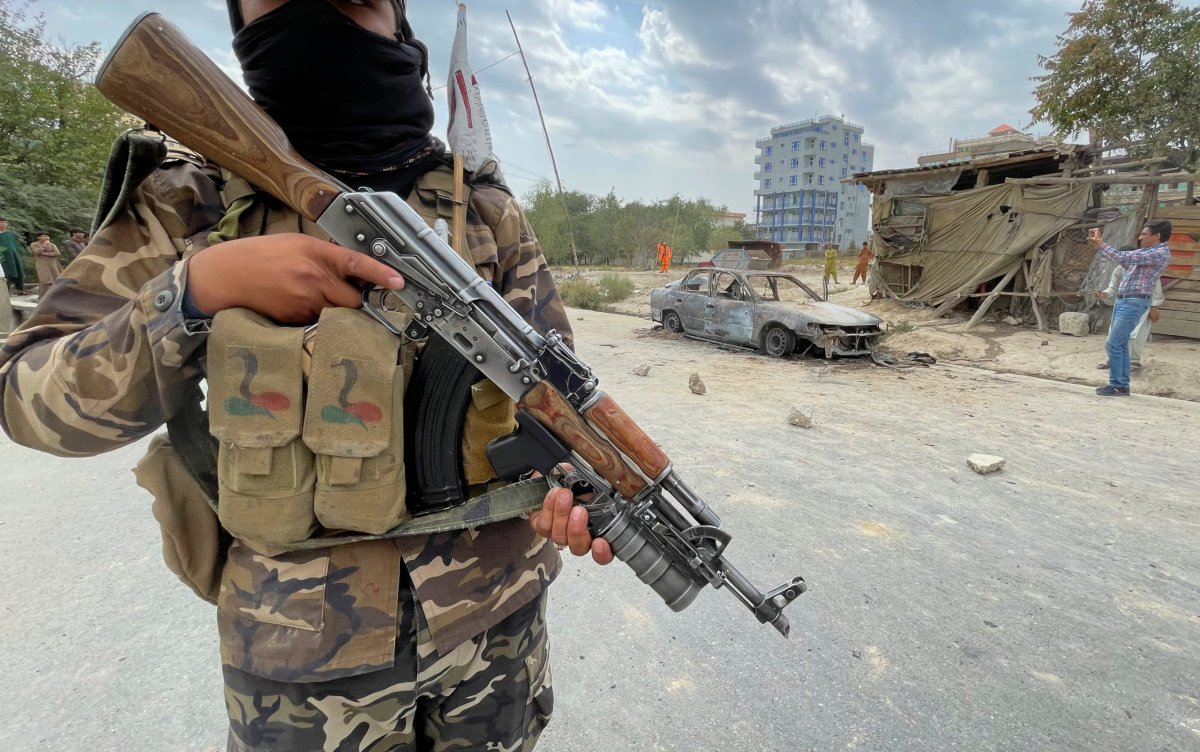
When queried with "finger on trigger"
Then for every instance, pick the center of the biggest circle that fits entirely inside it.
(563, 501)
(359, 266)
(578, 537)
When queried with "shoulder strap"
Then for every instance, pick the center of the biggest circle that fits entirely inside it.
(136, 153)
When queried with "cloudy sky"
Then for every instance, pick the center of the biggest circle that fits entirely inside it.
(657, 98)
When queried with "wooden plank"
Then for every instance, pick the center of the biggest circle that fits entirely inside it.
(1177, 328)
(1191, 274)
(1148, 180)
(1180, 316)
(1180, 305)
(1178, 246)
(1179, 212)
(1182, 296)
(1183, 285)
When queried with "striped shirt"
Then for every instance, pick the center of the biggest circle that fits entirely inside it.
(1144, 267)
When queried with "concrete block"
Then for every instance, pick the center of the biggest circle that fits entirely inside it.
(985, 463)
(1074, 323)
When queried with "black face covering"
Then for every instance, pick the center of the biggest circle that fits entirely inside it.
(351, 101)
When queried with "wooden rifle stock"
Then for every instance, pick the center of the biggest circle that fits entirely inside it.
(156, 73)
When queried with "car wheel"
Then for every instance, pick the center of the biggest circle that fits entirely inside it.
(779, 342)
(671, 322)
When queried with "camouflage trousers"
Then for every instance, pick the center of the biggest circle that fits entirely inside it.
(492, 692)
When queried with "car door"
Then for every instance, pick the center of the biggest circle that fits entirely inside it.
(729, 315)
(691, 298)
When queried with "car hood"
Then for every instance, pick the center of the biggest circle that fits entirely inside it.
(830, 314)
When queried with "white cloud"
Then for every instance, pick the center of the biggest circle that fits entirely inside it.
(583, 14)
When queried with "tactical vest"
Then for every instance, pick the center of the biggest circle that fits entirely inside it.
(308, 422)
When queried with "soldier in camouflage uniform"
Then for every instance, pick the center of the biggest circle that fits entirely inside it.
(419, 643)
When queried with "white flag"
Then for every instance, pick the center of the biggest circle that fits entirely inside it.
(468, 132)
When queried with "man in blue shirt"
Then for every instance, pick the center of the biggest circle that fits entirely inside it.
(1143, 268)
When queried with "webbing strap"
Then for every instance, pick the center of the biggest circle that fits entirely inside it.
(504, 503)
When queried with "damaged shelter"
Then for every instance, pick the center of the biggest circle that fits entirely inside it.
(972, 231)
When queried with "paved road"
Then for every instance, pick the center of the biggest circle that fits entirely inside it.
(1051, 606)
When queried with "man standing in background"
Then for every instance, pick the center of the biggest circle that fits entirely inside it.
(76, 243)
(10, 257)
(45, 255)
(664, 258)
(831, 263)
(864, 260)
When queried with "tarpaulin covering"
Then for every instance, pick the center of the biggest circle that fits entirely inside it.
(970, 237)
(921, 183)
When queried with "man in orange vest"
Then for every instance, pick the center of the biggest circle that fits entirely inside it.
(664, 258)
(864, 260)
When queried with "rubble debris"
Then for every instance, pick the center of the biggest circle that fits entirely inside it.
(696, 384)
(985, 463)
(1073, 323)
(641, 369)
(1011, 320)
(800, 417)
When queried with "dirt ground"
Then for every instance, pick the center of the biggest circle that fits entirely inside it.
(1171, 365)
(1048, 606)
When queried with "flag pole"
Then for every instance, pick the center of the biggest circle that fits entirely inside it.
(561, 196)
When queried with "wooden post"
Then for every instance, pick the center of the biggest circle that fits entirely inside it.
(981, 178)
(458, 233)
(1149, 200)
(1026, 269)
(991, 298)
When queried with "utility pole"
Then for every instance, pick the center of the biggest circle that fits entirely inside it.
(561, 196)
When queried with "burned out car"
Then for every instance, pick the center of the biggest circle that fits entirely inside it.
(770, 311)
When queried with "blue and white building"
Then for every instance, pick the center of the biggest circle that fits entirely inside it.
(801, 200)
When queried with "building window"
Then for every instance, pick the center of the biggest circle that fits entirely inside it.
(808, 179)
(822, 144)
(856, 138)
(795, 162)
(795, 146)
(769, 150)
(792, 180)
(821, 162)
(767, 167)
(854, 151)
(821, 179)
(843, 172)
(766, 183)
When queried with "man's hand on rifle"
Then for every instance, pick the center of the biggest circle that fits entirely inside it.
(561, 520)
(287, 277)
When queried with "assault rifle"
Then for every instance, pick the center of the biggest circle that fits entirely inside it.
(652, 520)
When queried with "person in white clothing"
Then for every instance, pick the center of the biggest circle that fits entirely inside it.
(1141, 333)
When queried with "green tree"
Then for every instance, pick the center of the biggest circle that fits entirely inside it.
(1129, 70)
(56, 129)
(611, 231)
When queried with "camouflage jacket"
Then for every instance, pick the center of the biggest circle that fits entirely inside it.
(107, 358)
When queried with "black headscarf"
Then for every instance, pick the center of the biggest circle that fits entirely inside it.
(351, 101)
